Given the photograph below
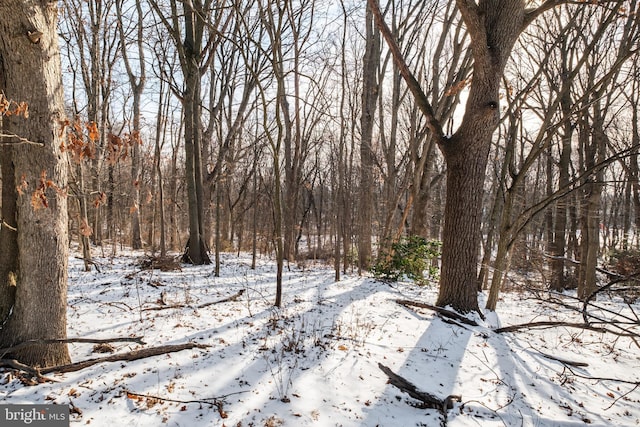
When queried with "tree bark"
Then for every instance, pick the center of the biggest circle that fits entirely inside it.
(31, 72)
(370, 89)
(196, 251)
(494, 27)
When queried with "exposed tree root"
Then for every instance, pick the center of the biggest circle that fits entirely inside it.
(441, 311)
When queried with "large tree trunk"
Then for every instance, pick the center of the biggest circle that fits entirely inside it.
(494, 27)
(30, 72)
(370, 95)
(196, 251)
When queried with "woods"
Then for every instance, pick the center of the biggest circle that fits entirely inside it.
(507, 130)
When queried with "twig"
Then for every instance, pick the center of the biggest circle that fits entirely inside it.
(564, 361)
(20, 140)
(206, 401)
(617, 380)
(207, 304)
(622, 396)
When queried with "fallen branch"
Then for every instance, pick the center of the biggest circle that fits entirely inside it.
(29, 343)
(34, 372)
(441, 311)
(428, 400)
(228, 299)
(211, 401)
(564, 361)
(207, 304)
(545, 323)
(635, 384)
(129, 356)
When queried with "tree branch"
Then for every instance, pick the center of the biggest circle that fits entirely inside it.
(129, 356)
(3, 351)
(544, 323)
(474, 22)
(531, 14)
(412, 83)
(212, 401)
(428, 400)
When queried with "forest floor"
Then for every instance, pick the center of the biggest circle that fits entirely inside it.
(317, 361)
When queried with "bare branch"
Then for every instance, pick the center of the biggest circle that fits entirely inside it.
(213, 401)
(130, 356)
(549, 324)
(532, 14)
(412, 83)
(17, 140)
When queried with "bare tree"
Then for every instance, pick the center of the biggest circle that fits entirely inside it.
(137, 79)
(196, 28)
(370, 94)
(494, 27)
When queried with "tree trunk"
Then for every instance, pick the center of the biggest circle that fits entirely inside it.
(370, 64)
(594, 140)
(8, 231)
(30, 72)
(196, 251)
(494, 27)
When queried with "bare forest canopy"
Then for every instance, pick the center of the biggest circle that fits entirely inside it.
(286, 128)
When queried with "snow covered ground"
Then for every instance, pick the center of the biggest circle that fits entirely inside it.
(315, 361)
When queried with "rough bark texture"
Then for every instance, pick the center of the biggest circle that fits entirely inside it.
(8, 234)
(31, 73)
(370, 66)
(559, 245)
(196, 251)
(494, 27)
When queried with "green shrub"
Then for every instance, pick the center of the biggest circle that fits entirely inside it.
(410, 257)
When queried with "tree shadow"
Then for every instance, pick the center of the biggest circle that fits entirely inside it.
(432, 366)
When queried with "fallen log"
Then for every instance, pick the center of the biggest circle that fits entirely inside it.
(28, 343)
(129, 356)
(549, 324)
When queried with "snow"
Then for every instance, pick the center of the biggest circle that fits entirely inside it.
(315, 361)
